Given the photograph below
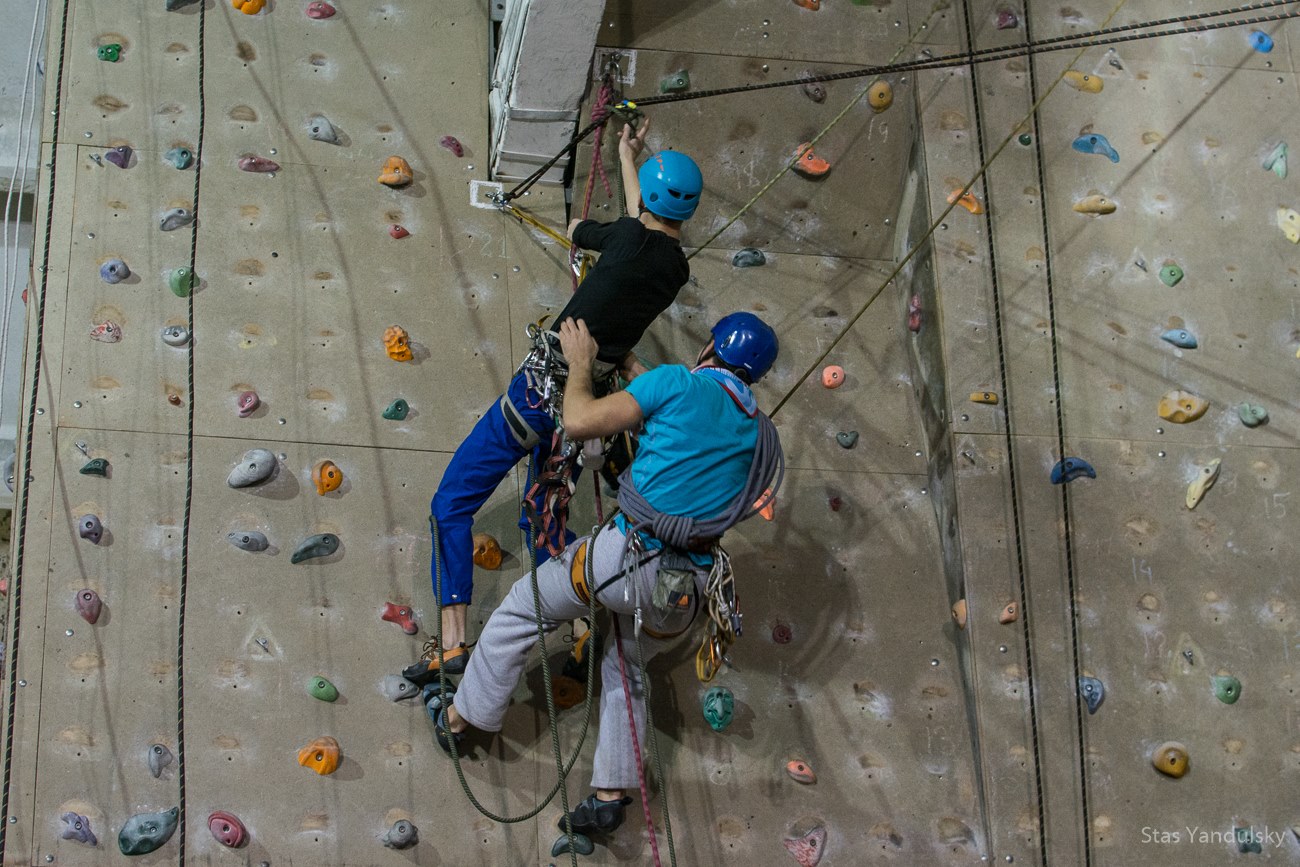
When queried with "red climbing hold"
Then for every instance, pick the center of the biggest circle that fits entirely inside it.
(451, 143)
(398, 231)
(781, 633)
(402, 615)
(808, 849)
(914, 314)
(319, 9)
(814, 5)
(228, 830)
(254, 163)
(88, 605)
(800, 772)
(836, 503)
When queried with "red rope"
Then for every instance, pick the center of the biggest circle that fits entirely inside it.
(600, 111)
(636, 744)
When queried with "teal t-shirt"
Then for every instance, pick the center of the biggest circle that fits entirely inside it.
(694, 456)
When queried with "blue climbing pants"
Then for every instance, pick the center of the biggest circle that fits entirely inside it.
(479, 465)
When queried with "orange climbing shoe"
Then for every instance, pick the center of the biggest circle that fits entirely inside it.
(425, 671)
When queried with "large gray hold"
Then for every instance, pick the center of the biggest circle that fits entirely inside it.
(248, 540)
(402, 835)
(159, 758)
(254, 467)
(320, 129)
(90, 529)
(176, 335)
(175, 219)
(145, 832)
(398, 688)
(320, 545)
(173, 5)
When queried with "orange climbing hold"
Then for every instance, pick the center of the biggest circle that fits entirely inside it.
(397, 172)
(833, 376)
(959, 613)
(808, 163)
(989, 397)
(768, 511)
(1170, 759)
(814, 5)
(880, 96)
(967, 200)
(1181, 407)
(1010, 613)
(487, 551)
(567, 691)
(398, 343)
(327, 477)
(248, 7)
(800, 772)
(321, 755)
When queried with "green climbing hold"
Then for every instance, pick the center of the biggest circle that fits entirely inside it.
(1025, 139)
(581, 844)
(1248, 841)
(1227, 688)
(1252, 415)
(182, 281)
(718, 706)
(1171, 274)
(322, 689)
(110, 52)
(145, 832)
(397, 410)
(181, 158)
(95, 467)
(676, 82)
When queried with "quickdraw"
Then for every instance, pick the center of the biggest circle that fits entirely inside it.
(724, 626)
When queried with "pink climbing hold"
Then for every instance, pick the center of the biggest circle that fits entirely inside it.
(402, 615)
(88, 605)
(398, 231)
(914, 314)
(1007, 20)
(808, 849)
(228, 830)
(254, 163)
(247, 403)
(320, 10)
(451, 143)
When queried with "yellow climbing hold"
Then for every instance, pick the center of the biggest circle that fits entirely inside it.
(880, 96)
(989, 397)
(1289, 222)
(1181, 407)
(1083, 81)
(1204, 481)
(1094, 205)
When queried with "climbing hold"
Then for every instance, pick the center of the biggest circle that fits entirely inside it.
(676, 82)
(1069, 469)
(1252, 415)
(174, 399)
(800, 772)
(1025, 139)
(768, 504)
(158, 758)
(1096, 205)
(173, 5)
(95, 467)
(397, 172)
(1276, 160)
(1202, 483)
(327, 477)
(1289, 222)
(1083, 81)
(1180, 337)
(107, 331)
(398, 231)
(248, 540)
(254, 163)
(487, 551)
(1247, 840)
(1181, 407)
(812, 89)
(321, 755)
(114, 271)
(179, 157)
(401, 615)
(718, 705)
(1093, 692)
(398, 688)
(398, 343)
(567, 691)
(748, 258)
(90, 528)
(1171, 275)
(782, 634)
(254, 467)
(1010, 613)
(807, 850)
(914, 314)
(1171, 759)
(318, 127)
(814, 5)
(1006, 20)
(77, 827)
(808, 163)
(248, 7)
(321, 688)
(247, 403)
(959, 613)
(989, 397)
(182, 281)
(1095, 144)
(88, 605)
(967, 200)
(880, 96)
(397, 410)
(228, 830)
(175, 219)
(581, 845)
(451, 143)
(847, 438)
(402, 835)
(145, 832)
(119, 156)
(176, 335)
(319, 545)
(1261, 41)
(320, 10)
(832, 376)
(1227, 688)
(110, 52)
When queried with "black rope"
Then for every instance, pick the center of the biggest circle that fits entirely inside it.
(1008, 444)
(38, 355)
(1065, 488)
(987, 55)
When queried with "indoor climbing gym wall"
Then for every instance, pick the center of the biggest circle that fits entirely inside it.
(1023, 596)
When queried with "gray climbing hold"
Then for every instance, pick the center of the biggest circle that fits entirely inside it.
(1180, 337)
(1252, 415)
(90, 528)
(319, 545)
(1093, 692)
(176, 335)
(181, 158)
(403, 835)
(398, 688)
(248, 540)
(8, 472)
(145, 832)
(114, 271)
(748, 258)
(581, 844)
(847, 438)
(175, 218)
(320, 129)
(173, 5)
(77, 827)
(254, 467)
(159, 758)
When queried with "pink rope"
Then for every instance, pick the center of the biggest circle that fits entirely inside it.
(636, 745)
(600, 111)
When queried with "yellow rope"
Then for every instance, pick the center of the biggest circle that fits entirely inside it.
(524, 217)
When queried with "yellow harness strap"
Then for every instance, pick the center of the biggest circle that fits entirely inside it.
(578, 574)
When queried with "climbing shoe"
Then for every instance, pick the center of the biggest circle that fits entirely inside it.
(434, 704)
(594, 816)
(426, 670)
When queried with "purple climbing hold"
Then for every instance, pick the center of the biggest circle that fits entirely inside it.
(89, 605)
(451, 143)
(90, 528)
(119, 156)
(1007, 20)
(77, 827)
(114, 271)
(258, 165)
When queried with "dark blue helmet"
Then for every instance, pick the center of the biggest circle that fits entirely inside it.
(745, 341)
(671, 184)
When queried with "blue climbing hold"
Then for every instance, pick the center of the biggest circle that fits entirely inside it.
(1069, 469)
(1095, 143)
(1092, 691)
(1180, 337)
(1261, 41)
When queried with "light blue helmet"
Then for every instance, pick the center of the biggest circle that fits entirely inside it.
(745, 341)
(671, 184)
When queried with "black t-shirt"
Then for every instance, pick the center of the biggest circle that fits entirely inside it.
(639, 273)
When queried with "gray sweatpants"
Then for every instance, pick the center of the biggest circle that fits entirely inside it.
(502, 651)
